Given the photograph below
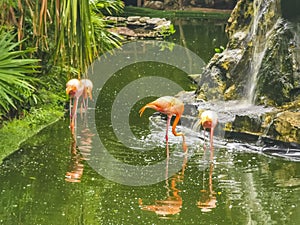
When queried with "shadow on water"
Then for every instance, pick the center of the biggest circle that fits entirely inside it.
(50, 180)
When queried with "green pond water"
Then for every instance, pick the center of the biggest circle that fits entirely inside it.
(113, 168)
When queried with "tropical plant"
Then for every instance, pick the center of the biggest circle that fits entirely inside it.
(73, 30)
(15, 84)
(166, 31)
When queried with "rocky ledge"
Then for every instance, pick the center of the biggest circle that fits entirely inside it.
(140, 27)
(240, 120)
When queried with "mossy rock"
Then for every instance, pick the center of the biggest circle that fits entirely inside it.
(286, 127)
(246, 123)
(252, 35)
(275, 78)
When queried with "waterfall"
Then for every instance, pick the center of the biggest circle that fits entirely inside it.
(259, 35)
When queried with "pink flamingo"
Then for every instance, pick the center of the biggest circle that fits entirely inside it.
(209, 120)
(170, 106)
(74, 88)
(87, 92)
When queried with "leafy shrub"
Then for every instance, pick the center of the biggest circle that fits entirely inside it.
(16, 84)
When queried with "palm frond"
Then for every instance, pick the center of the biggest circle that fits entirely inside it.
(73, 29)
(14, 70)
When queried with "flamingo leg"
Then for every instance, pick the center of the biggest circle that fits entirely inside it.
(70, 108)
(84, 105)
(204, 146)
(87, 103)
(211, 136)
(74, 112)
(184, 146)
(75, 107)
(211, 143)
(167, 137)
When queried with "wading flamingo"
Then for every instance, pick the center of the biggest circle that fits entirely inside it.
(74, 89)
(170, 106)
(209, 120)
(87, 92)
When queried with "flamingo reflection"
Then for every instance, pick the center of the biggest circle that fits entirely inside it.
(208, 197)
(77, 157)
(171, 205)
(76, 168)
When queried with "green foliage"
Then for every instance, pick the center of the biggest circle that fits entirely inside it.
(219, 49)
(67, 37)
(15, 83)
(105, 39)
(109, 6)
(68, 34)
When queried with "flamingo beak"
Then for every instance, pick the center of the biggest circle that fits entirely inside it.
(89, 92)
(204, 119)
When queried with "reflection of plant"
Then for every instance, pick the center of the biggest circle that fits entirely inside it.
(15, 84)
(166, 45)
(167, 30)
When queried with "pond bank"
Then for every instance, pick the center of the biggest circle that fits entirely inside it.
(15, 132)
(188, 13)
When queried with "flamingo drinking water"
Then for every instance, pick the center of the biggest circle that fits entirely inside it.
(74, 88)
(170, 106)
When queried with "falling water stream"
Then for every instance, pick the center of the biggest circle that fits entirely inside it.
(258, 36)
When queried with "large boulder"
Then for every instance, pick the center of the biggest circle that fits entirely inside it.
(285, 125)
(260, 62)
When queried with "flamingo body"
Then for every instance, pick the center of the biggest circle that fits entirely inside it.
(74, 88)
(170, 106)
(87, 92)
(88, 87)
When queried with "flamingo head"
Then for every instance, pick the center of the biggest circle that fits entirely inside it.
(71, 90)
(208, 119)
(72, 87)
